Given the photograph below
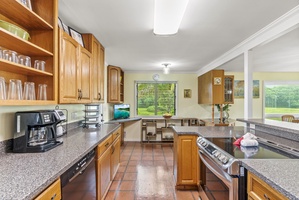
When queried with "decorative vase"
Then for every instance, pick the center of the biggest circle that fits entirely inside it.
(225, 116)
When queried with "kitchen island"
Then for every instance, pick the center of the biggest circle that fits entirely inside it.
(282, 175)
(24, 175)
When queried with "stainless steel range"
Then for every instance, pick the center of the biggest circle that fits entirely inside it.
(222, 158)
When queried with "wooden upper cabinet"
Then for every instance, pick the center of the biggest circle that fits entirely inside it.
(115, 84)
(41, 24)
(215, 88)
(211, 87)
(85, 76)
(98, 62)
(74, 70)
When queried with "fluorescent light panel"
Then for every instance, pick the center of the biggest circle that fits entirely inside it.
(168, 16)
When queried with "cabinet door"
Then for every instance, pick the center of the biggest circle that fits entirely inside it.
(68, 69)
(84, 76)
(228, 89)
(113, 84)
(98, 53)
(187, 162)
(53, 192)
(101, 73)
(103, 174)
(115, 157)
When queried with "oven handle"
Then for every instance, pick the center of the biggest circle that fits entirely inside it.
(226, 178)
(81, 171)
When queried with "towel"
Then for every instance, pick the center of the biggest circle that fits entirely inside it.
(249, 142)
(247, 136)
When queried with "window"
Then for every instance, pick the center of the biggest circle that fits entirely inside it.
(155, 98)
(281, 98)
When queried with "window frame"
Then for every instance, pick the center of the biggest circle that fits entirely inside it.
(157, 82)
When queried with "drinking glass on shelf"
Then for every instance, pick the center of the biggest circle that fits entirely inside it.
(14, 89)
(11, 56)
(39, 64)
(24, 60)
(1, 52)
(29, 91)
(42, 92)
(2, 89)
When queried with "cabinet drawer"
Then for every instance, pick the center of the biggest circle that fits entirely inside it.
(103, 146)
(116, 134)
(257, 189)
(53, 192)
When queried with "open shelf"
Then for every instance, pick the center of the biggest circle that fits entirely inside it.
(21, 69)
(20, 45)
(29, 19)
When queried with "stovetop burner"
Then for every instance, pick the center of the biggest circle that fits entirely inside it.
(265, 150)
(228, 156)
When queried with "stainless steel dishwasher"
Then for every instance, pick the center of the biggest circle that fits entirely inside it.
(79, 181)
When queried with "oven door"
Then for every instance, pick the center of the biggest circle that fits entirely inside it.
(218, 183)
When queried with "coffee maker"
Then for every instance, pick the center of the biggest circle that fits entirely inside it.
(36, 131)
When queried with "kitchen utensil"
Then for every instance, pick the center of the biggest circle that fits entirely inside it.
(40, 65)
(14, 30)
(24, 60)
(29, 91)
(14, 89)
(2, 89)
(42, 92)
(11, 56)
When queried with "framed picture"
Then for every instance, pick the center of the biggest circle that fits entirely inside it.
(60, 24)
(26, 3)
(77, 36)
(65, 28)
(187, 93)
(239, 89)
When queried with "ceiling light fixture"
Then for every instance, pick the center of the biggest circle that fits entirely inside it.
(166, 68)
(168, 16)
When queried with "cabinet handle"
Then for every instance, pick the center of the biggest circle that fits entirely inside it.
(113, 149)
(100, 96)
(53, 197)
(79, 94)
(106, 145)
(266, 197)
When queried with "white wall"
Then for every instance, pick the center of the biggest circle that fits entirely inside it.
(7, 113)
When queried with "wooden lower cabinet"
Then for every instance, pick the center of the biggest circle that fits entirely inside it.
(186, 162)
(107, 163)
(115, 156)
(103, 174)
(257, 189)
(53, 192)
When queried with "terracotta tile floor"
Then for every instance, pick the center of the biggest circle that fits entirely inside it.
(146, 172)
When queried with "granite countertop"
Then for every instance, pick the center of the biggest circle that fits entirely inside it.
(25, 175)
(283, 175)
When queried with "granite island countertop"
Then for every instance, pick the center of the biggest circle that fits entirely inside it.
(282, 175)
(24, 175)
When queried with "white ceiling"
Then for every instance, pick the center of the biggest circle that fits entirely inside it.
(209, 29)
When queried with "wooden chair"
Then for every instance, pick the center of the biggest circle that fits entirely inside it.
(295, 120)
(287, 118)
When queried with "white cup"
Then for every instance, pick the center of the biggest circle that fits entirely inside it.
(40, 65)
